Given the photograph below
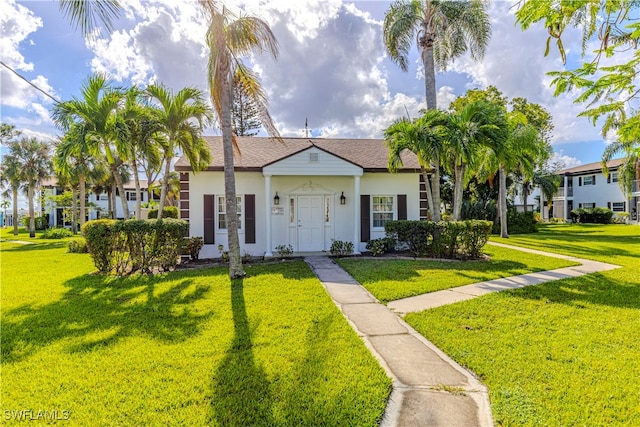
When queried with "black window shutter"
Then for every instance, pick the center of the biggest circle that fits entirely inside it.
(624, 206)
(402, 206)
(250, 218)
(365, 218)
(609, 179)
(594, 180)
(608, 205)
(580, 205)
(579, 181)
(209, 219)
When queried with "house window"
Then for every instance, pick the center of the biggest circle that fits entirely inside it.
(103, 197)
(327, 218)
(382, 210)
(588, 180)
(617, 206)
(131, 196)
(614, 176)
(588, 205)
(222, 214)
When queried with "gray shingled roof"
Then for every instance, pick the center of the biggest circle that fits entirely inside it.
(257, 152)
(592, 167)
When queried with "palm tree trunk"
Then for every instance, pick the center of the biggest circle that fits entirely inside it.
(112, 197)
(502, 191)
(429, 76)
(525, 195)
(123, 196)
(32, 220)
(136, 178)
(15, 210)
(427, 186)
(164, 186)
(459, 171)
(235, 261)
(74, 210)
(83, 197)
(435, 188)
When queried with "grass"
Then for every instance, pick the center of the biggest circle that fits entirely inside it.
(560, 353)
(185, 348)
(392, 279)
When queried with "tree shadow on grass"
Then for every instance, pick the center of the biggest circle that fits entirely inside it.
(33, 246)
(98, 311)
(596, 289)
(241, 389)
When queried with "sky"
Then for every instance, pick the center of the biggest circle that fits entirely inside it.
(332, 70)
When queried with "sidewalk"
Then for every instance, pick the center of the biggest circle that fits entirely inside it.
(429, 388)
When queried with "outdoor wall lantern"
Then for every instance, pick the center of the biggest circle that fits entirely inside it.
(343, 200)
(276, 199)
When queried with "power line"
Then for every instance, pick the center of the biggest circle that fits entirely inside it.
(30, 83)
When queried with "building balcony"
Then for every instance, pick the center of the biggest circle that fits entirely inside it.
(560, 195)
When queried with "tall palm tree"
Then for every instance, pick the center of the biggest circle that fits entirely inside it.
(229, 37)
(443, 30)
(35, 162)
(181, 118)
(629, 170)
(88, 14)
(469, 128)
(424, 137)
(96, 113)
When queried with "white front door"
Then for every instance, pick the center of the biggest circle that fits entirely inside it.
(310, 225)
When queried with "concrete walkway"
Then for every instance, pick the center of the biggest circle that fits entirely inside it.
(462, 293)
(429, 388)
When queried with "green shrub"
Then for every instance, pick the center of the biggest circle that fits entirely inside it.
(381, 246)
(284, 251)
(56, 233)
(518, 223)
(621, 218)
(41, 222)
(449, 239)
(191, 246)
(340, 248)
(127, 246)
(78, 246)
(167, 212)
(597, 215)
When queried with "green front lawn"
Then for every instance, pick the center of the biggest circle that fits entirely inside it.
(561, 353)
(392, 279)
(185, 348)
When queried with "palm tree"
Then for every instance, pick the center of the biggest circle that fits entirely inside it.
(629, 170)
(444, 30)
(88, 14)
(229, 37)
(71, 158)
(96, 114)
(139, 132)
(181, 118)
(34, 159)
(172, 195)
(425, 138)
(11, 176)
(548, 182)
(471, 126)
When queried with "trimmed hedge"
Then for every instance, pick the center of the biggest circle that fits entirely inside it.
(167, 212)
(597, 215)
(518, 223)
(443, 239)
(123, 247)
(56, 233)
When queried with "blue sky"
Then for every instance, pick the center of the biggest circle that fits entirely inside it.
(332, 67)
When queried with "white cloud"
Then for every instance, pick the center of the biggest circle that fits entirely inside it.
(564, 161)
(16, 23)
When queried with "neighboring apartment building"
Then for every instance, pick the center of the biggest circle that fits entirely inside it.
(586, 186)
(56, 218)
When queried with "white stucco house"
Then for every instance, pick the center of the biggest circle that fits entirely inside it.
(304, 192)
(586, 186)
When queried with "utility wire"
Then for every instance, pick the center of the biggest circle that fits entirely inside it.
(30, 83)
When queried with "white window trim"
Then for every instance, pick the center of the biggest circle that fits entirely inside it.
(394, 212)
(621, 206)
(614, 176)
(217, 217)
(584, 180)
